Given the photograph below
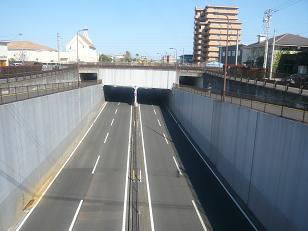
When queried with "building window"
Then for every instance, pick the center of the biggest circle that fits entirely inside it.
(229, 53)
(238, 52)
(233, 53)
(223, 53)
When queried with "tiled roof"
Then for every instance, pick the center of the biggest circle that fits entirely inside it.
(27, 45)
(284, 40)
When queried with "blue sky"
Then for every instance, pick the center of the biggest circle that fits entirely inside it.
(146, 27)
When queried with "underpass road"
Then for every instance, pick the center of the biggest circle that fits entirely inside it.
(173, 203)
(88, 194)
(103, 206)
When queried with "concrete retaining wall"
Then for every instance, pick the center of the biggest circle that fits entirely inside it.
(264, 158)
(36, 136)
(163, 79)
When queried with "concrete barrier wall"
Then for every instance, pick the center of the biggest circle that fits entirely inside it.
(36, 136)
(137, 77)
(263, 157)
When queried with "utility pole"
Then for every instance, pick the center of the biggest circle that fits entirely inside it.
(266, 21)
(236, 51)
(226, 60)
(273, 55)
(58, 46)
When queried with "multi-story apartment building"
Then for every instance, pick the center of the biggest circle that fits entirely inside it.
(212, 24)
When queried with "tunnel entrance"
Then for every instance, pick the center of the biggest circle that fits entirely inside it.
(88, 77)
(119, 94)
(144, 95)
(191, 81)
(152, 96)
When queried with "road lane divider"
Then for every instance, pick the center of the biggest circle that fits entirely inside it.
(199, 215)
(158, 122)
(127, 173)
(55, 177)
(146, 174)
(99, 156)
(213, 172)
(112, 122)
(75, 216)
(116, 111)
(177, 166)
(119, 103)
(154, 111)
(140, 176)
(165, 138)
(106, 137)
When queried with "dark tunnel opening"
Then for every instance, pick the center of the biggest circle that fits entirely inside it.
(119, 94)
(152, 96)
(144, 95)
(191, 81)
(88, 77)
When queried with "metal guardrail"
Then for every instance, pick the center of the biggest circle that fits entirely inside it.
(145, 65)
(257, 103)
(275, 83)
(13, 94)
(22, 76)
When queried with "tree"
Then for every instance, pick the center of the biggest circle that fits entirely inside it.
(127, 57)
(105, 58)
(259, 62)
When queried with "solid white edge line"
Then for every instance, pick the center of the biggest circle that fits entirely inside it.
(212, 171)
(127, 173)
(146, 174)
(72, 153)
(99, 156)
(75, 216)
(199, 215)
(106, 137)
(177, 166)
(112, 122)
(158, 122)
(165, 138)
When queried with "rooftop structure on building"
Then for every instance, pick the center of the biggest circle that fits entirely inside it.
(212, 24)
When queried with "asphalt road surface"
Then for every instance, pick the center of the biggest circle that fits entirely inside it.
(176, 191)
(94, 178)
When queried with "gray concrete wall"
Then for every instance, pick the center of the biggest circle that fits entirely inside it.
(147, 78)
(36, 136)
(262, 157)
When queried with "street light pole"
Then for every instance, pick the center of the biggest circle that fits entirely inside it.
(85, 29)
(77, 50)
(176, 63)
(58, 46)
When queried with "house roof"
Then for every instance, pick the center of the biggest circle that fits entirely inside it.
(85, 38)
(27, 45)
(284, 40)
